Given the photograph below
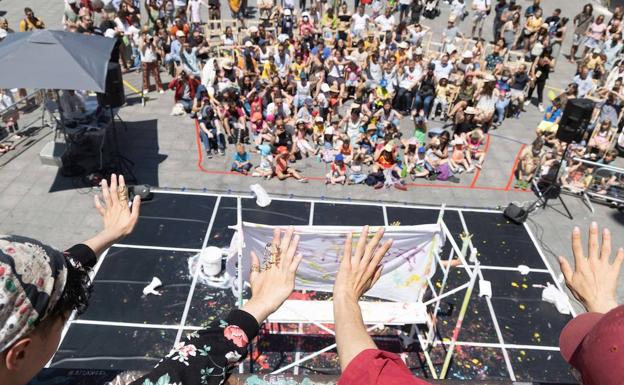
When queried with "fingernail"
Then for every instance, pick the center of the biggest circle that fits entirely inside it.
(576, 230)
(606, 231)
(594, 225)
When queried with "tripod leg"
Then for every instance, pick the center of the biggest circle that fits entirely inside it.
(566, 208)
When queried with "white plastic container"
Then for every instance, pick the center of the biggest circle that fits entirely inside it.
(210, 261)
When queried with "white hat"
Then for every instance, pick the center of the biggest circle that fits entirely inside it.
(403, 45)
(349, 58)
(71, 1)
(467, 54)
(3, 33)
(319, 119)
(597, 50)
(248, 43)
(329, 130)
(489, 78)
(287, 12)
(418, 51)
(305, 14)
(282, 37)
(180, 34)
(253, 29)
(325, 87)
(450, 49)
(110, 33)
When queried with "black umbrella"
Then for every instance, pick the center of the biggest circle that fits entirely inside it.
(55, 60)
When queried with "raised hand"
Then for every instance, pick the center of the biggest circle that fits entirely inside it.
(595, 278)
(359, 271)
(273, 280)
(119, 219)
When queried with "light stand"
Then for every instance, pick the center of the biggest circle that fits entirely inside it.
(552, 191)
(121, 164)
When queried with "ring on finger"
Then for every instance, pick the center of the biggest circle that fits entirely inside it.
(255, 268)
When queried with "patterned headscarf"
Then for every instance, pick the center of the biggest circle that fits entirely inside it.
(32, 279)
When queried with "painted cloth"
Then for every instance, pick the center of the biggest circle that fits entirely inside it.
(32, 279)
(206, 357)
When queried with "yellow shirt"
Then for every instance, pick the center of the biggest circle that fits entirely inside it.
(268, 70)
(442, 92)
(382, 94)
(296, 68)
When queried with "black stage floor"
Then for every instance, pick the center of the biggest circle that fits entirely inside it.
(122, 329)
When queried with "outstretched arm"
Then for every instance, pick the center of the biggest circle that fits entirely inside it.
(358, 272)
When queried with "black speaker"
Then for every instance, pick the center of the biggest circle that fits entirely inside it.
(114, 95)
(516, 214)
(574, 121)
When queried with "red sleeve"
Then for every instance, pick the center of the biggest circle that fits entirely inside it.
(378, 367)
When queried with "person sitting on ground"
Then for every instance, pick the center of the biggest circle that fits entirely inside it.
(338, 171)
(474, 154)
(458, 162)
(281, 168)
(184, 87)
(550, 124)
(529, 162)
(265, 168)
(601, 138)
(241, 162)
(30, 22)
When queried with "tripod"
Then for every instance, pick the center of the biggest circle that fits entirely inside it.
(121, 164)
(552, 189)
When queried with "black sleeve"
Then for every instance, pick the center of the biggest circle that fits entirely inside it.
(83, 254)
(206, 357)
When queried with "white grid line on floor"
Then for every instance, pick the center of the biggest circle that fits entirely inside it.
(552, 272)
(329, 201)
(189, 299)
(488, 300)
(162, 248)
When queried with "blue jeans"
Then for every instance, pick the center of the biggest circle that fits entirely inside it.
(501, 106)
(423, 102)
(245, 168)
(216, 142)
(187, 103)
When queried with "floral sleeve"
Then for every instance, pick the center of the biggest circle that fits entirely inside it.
(206, 357)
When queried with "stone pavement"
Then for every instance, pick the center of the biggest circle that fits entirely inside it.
(35, 201)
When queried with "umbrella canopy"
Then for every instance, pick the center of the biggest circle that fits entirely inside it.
(55, 60)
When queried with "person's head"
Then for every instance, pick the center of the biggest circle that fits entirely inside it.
(583, 72)
(4, 24)
(39, 291)
(572, 89)
(538, 13)
(443, 82)
(240, 148)
(515, 18)
(361, 10)
(387, 105)
(557, 12)
(444, 59)
(605, 125)
(593, 344)
(600, 19)
(339, 159)
(28, 12)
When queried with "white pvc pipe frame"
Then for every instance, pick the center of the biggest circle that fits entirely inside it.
(424, 343)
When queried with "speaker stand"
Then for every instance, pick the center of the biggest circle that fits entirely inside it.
(122, 165)
(542, 200)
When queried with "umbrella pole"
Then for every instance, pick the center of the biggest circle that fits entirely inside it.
(61, 118)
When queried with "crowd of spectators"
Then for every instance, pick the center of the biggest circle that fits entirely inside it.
(360, 88)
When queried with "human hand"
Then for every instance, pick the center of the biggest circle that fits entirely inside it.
(594, 280)
(119, 219)
(360, 271)
(272, 283)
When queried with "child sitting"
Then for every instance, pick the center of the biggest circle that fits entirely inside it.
(441, 99)
(241, 160)
(265, 169)
(458, 162)
(305, 148)
(338, 171)
(356, 171)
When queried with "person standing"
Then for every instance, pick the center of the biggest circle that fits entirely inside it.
(30, 22)
(582, 21)
(149, 62)
(500, 10)
(481, 8)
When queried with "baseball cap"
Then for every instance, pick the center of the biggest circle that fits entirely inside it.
(282, 150)
(593, 343)
(180, 34)
(383, 82)
(339, 158)
(422, 150)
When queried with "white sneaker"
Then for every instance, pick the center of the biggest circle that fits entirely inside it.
(145, 92)
(256, 174)
(527, 102)
(161, 91)
(540, 107)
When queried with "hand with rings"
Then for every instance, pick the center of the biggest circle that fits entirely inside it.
(273, 280)
(119, 219)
